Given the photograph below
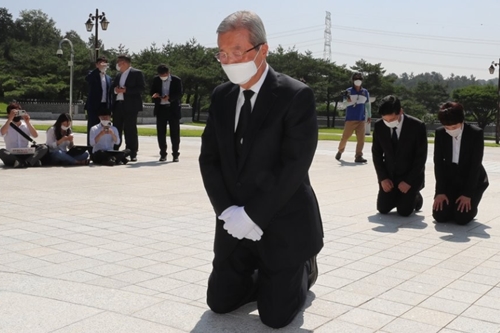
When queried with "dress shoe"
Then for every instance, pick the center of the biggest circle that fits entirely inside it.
(312, 271)
(338, 156)
(360, 159)
(163, 158)
(19, 165)
(419, 202)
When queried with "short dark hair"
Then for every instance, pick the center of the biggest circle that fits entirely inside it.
(124, 57)
(390, 105)
(101, 58)
(356, 76)
(104, 112)
(13, 106)
(162, 69)
(451, 113)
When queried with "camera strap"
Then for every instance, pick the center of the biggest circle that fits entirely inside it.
(26, 136)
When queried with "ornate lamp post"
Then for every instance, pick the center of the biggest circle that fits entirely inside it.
(497, 126)
(104, 25)
(59, 53)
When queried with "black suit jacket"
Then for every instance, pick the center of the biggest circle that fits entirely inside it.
(271, 178)
(95, 91)
(407, 163)
(135, 85)
(175, 94)
(471, 175)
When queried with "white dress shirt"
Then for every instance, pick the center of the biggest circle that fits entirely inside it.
(106, 142)
(52, 141)
(15, 140)
(104, 87)
(456, 142)
(123, 79)
(241, 98)
(165, 89)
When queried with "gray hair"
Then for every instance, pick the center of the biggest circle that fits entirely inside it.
(247, 20)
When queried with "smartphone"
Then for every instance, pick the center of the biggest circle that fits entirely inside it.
(20, 113)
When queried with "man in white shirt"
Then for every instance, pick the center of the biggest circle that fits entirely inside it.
(14, 139)
(128, 86)
(103, 138)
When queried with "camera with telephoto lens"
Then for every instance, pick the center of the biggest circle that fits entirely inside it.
(20, 113)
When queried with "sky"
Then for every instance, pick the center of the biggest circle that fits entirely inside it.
(460, 37)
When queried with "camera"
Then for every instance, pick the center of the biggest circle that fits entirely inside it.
(345, 94)
(20, 113)
(106, 123)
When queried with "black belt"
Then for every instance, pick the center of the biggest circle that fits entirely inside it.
(120, 101)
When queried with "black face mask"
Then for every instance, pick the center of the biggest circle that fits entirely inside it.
(17, 119)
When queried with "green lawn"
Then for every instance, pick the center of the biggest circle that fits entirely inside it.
(331, 134)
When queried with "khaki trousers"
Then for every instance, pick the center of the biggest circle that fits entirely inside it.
(351, 126)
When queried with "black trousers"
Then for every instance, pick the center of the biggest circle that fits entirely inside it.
(9, 159)
(280, 293)
(450, 212)
(403, 202)
(166, 115)
(103, 157)
(126, 122)
(93, 119)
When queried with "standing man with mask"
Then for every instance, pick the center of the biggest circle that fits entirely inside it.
(166, 92)
(399, 153)
(128, 87)
(358, 99)
(257, 147)
(100, 93)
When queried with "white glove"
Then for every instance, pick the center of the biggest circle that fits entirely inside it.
(239, 225)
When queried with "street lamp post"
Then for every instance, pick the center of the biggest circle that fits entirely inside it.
(89, 25)
(59, 53)
(497, 125)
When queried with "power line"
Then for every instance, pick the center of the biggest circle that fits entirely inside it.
(410, 35)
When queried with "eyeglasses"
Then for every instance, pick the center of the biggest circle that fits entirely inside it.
(236, 55)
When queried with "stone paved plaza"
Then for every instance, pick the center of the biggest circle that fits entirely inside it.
(128, 249)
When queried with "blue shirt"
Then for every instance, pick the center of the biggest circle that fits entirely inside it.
(355, 110)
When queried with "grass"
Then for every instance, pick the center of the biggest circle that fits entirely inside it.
(327, 134)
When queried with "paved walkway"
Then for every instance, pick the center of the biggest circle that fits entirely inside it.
(128, 249)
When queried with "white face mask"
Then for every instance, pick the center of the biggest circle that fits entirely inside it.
(455, 132)
(65, 128)
(118, 67)
(357, 83)
(103, 68)
(164, 78)
(242, 72)
(391, 124)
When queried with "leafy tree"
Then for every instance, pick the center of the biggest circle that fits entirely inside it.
(6, 24)
(480, 103)
(36, 28)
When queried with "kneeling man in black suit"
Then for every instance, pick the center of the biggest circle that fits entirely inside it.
(399, 153)
(257, 147)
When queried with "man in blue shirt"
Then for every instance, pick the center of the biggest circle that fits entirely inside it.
(358, 99)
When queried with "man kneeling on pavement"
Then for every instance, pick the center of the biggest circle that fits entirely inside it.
(103, 137)
(16, 132)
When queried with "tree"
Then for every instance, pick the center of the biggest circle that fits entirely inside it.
(6, 24)
(36, 28)
(479, 102)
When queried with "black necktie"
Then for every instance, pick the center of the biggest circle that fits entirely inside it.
(394, 138)
(245, 112)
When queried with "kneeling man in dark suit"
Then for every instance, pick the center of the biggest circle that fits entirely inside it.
(399, 152)
(257, 147)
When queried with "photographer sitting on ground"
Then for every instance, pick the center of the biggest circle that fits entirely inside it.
(60, 139)
(103, 137)
(13, 139)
